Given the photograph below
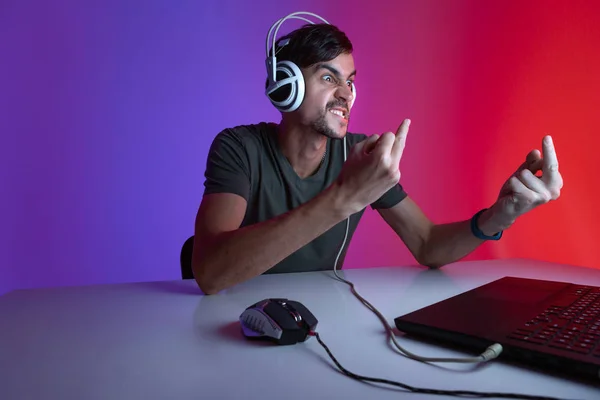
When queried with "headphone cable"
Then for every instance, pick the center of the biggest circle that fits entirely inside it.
(458, 393)
(490, 353)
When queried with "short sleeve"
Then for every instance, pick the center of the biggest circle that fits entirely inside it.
(227, 166)
(390, 198)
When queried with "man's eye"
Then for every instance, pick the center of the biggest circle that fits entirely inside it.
(327, 78)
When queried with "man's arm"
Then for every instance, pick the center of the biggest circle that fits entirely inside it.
(435, 245)
(225, 254)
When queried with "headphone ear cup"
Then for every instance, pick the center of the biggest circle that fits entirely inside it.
(287, 92)
(281, 92)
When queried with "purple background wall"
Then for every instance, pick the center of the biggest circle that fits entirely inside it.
(107, 110)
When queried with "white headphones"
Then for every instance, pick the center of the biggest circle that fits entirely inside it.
(292, 76)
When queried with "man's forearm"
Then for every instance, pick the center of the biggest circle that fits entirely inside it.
(450, 242)
(239, 255)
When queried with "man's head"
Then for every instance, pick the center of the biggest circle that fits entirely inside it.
(324, 55)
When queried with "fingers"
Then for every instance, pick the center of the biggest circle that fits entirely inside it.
(533, 157)
(393, 144)
(366, 145)
(529, 187)
(532, 161)
(521, 187)
(400, 140)
(384, 145)
(550, 158)
(535, 166)
(518, 187)
(526, 191)
(370, 143)
(533, 183)
(550, 173)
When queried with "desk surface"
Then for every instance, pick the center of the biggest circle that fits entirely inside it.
(166, 340)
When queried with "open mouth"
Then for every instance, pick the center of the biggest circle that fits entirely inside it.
(338, 112)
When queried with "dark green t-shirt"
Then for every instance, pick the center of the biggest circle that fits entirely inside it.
(247, 161)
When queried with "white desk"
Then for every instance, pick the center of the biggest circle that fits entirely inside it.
(164, 340)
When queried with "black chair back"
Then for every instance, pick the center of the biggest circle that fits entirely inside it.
(185, 259)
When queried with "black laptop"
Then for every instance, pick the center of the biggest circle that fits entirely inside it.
(545, 324)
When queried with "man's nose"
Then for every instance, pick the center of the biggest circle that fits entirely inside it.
(345, 92)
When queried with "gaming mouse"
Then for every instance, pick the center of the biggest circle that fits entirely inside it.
(280, 320)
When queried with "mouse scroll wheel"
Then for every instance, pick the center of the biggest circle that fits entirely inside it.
(297, 317)
(294, 313)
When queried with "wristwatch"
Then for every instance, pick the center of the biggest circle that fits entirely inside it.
(478, 233)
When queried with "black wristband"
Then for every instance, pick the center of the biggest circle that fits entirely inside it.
(478, 233)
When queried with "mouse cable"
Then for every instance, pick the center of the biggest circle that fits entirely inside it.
(490, 353)
(458, 393)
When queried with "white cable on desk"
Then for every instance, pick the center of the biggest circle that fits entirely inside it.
(490, 353)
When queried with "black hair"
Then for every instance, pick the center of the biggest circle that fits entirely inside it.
(312, 44)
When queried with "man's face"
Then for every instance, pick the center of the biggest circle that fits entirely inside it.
(328, 96)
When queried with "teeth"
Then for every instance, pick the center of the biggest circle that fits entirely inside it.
(337, 112)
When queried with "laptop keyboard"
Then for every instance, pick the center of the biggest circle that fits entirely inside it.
(572, 323)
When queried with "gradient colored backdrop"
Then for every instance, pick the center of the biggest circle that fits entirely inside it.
(107, 111)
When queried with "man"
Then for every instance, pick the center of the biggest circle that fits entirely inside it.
(277, 196)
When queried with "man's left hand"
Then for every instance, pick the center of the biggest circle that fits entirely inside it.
(524, 190)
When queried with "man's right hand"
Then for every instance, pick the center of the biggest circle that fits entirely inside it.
(372, 168)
